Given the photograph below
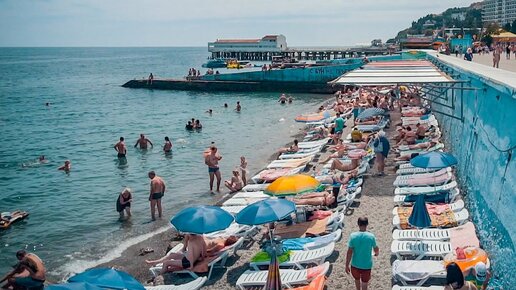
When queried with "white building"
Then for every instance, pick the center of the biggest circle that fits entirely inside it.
(499, 11)
(268, 43)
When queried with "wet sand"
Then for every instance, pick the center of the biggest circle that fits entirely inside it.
(375, 203)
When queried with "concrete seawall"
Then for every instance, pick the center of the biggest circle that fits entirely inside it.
(483, 138)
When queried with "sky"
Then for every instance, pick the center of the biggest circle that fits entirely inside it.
(196, 22)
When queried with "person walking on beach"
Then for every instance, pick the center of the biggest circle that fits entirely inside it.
(120, 148)
(167, 148)
(496, 56)
(339, 127)
(212, 160)
(157, 190)
(143, 142)
(123, 203)
(360, 245)
(381, 148)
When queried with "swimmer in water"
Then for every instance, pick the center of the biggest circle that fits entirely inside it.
(189, 126)
(66, 167)
(238, 107)
(143, 142)
(290, 99)
(226, 105)
(167, 148)
(42, 159)
(120, 148)
(210, 111)
(282, 99)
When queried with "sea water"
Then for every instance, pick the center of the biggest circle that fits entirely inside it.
(73, 223)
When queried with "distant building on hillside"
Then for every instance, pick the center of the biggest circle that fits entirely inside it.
(417, 41)
(461, 16)
(499, 11)
(268, 43)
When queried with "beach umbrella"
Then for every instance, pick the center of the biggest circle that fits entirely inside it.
(292, 185)
(108, 278)
(265, 211)
(273, 275)
(419, 217)
(73, 286)
(434, 159)
(370, 112)
(201, 219)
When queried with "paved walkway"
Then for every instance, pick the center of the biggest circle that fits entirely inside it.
(487, 59)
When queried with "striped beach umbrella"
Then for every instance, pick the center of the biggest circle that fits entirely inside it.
(369, 113)
(292, 185)
(273, 276)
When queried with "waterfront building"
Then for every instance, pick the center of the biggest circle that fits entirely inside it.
(499, 11)
(273, 44)
(417, 41)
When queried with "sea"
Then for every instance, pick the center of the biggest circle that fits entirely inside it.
(73, 223)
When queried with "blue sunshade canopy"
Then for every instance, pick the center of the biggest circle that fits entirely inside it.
(265, 211)
(202, 219)
(108, 278)
(434, 159)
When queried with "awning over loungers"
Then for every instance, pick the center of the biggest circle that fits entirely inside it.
(394, 73)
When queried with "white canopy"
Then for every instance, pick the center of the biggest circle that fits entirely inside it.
(394, 73)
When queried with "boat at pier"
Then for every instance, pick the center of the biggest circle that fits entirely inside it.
(215, 63)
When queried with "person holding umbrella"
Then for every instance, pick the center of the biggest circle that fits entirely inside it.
(360, 245)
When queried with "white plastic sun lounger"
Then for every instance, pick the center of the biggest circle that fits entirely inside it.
(419, 271)
(416, 170)
(423, 181)
(433, 148)
(312, 144)
(251, 194)
(299, 155)
(255, 187)
(243, 201)
(299, 258)
(193, 285)
(461, 218)
(348, 198)
(420, 249)
(453, 195)
(289, 278)
(425, 189)
(427, 234)
(237, 230)
(425, 174)
(320, 241)
(220, 261)
(234, 209)
(258, 178)
(290, 163)
(397, 287)
(456, 206)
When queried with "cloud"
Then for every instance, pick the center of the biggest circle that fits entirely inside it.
(195, 22)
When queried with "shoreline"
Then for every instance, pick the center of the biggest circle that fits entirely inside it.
(162, 240)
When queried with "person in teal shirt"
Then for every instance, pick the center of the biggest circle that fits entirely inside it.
(360, 246)
(339, 127)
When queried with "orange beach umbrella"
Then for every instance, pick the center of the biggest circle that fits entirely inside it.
(292, 185)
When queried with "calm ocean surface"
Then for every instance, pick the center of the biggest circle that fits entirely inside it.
(73, 222)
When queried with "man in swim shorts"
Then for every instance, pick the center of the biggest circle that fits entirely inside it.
(212, 160)
(167, 148)
(339, 127)
(30, 272)
(360, 245)
(157, 190)
(120, 148)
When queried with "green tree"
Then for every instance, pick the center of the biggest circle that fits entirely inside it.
(507, 27)
(513, 30)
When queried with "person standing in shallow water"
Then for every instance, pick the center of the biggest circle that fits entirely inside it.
(123, 203)
(360, 245)
(142, 141)
(120, 148)
(157, 190)
(167, 148)
(212, 160)
(238, 107)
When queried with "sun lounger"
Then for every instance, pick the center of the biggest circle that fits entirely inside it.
(348, 198)
(219, 260)
(312, 243)
(313, 144)
(423, 181)
(298, 155)
(436, 234)
(449, 197)
(397, 287)
(290, 163)
(255, 187)
(417, 271)
(234, 209)
(460, 218)
(289, 278)
(416, 170)
(425, 189)
(243, 201)
(237, 230)
(372, 128)
(194, 285)
(456, 206)
(269, 175)
(433, 148)
(299, 258)
(252, 194)
(420, 249)
(424, 174)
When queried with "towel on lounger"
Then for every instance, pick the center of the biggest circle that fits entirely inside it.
(312, 228)
(441, 218)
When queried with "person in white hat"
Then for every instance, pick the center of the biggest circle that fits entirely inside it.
(479, 276)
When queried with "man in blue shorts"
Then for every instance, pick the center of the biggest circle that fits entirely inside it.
(360, 245)
(339, 127)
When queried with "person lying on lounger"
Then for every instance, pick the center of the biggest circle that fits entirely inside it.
(321, 133)
(235, 184)
(425, 146)
(292, 149)
(194, 250)
(342, 151)
(406, 157)
(409, 137)
(316, 199)
(371, 121)
(339, 165)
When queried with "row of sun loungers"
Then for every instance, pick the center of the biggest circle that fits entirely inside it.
(420, 252)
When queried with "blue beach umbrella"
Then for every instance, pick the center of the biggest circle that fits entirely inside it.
(419, 217)
(108, 278)
(73, 286)
(265, 211)
(370, 112)
(201, 219)
(433, 159)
